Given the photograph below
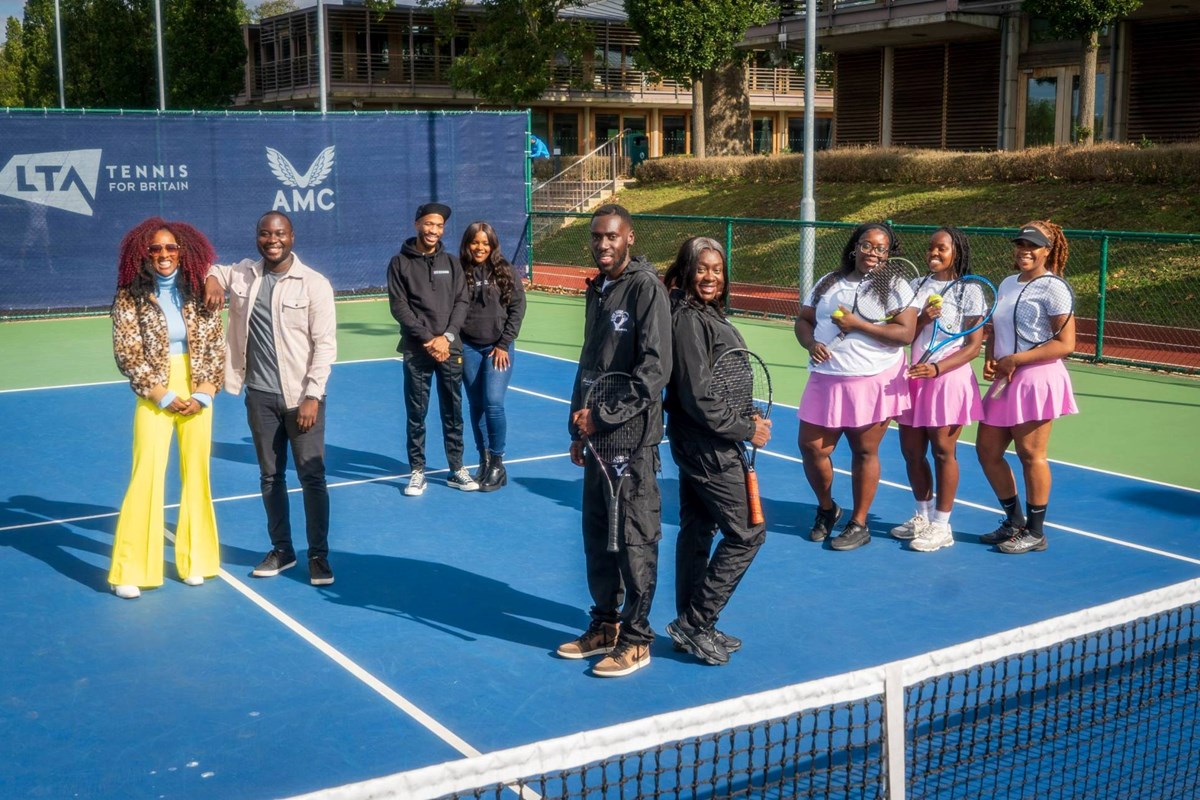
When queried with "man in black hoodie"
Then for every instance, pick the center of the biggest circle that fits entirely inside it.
(429, 298)
(627, 329)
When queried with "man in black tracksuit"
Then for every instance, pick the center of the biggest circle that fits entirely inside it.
(627, 329)
(429, 298)
(706, 436)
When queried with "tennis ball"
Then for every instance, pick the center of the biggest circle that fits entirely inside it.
(838, 314)
(935, 299)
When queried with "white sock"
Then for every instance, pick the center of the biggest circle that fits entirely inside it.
(940, 516)
(924, 507)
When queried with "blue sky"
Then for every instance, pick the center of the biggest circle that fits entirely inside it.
(10, 8)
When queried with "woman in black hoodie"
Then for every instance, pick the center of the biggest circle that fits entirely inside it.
(493, 321)
(706, 434)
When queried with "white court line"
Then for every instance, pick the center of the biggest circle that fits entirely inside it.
(981, 507)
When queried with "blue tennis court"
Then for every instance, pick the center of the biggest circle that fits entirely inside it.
(436, 641)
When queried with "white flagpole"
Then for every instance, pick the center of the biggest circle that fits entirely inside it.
(162, 87)
(62, 92)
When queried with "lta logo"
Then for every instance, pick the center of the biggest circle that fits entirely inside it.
(305, 196)
(64, 180)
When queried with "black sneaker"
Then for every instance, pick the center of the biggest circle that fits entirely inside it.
(825, 522)
(1002, 534)
(319, 573)
(731, 643)
(1023, 542)
(699, 642)
(852, 537)
(274, 563)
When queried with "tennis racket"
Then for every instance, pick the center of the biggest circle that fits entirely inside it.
(741, 379)
(1040, 302)
(967, 305)
(613, 446)
(876, 297)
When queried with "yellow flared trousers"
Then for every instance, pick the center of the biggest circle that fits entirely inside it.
(138, 546)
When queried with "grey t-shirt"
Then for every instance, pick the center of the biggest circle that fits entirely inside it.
(262, 365)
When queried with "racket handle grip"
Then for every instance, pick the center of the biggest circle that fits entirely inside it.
(998, 387)
(753, 498)
(614, 524)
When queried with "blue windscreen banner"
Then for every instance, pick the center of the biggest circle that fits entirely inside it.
(73, 183)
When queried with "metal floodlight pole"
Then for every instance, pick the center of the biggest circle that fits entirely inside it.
(158, 43)
(322, 76)
(808, 204)
(62, 92)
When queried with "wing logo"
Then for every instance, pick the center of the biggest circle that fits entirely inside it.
(305, 196)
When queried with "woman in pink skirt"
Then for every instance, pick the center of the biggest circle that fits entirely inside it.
(945, 397)
(856, 384)
(1037, 391)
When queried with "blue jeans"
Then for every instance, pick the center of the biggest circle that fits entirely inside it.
(485, 387)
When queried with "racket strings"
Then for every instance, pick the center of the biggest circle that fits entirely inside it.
(615, 445)
(879, 290)
(1035, 308)
(742, 381)
(963, 305)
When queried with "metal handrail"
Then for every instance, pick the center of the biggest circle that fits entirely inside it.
(583, 158)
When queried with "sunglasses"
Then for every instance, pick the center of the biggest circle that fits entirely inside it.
(155, 249)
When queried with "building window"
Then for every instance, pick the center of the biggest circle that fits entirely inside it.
(822, 134)
(674, 132)
(565, 134)
(607, 126)
(762, 135)
(1098, 116)
(1041, 108)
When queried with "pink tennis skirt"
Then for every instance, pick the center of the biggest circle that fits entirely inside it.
(1036, 392)
(951, 398)
(854, 401)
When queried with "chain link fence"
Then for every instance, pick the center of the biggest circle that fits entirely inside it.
(1136, 293)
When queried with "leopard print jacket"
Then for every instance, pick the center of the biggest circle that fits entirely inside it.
(142, 347)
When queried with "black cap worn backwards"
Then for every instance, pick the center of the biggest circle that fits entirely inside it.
(1032, 235)
(441, 209)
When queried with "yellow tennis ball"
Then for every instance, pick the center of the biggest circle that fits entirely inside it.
(838, 314)
(935, 299)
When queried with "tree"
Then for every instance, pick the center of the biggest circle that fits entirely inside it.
(682, 39)
(205, 55)
(11, 54)
(267, 8)
(1083, 20)
(513, 47)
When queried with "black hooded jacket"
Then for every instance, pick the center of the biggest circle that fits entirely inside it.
(701, 333)
(428, 293)
(627, 329)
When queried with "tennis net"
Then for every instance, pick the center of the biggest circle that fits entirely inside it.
(1099, 703)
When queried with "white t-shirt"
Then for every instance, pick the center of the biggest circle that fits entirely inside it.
(1002, 319)
(922, 288)
(857, 354)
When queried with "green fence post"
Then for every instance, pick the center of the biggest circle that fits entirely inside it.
(1101, 304)
(728, 256)
(528, 191)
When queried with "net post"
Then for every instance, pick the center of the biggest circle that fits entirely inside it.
(893, 699)
(728, 259)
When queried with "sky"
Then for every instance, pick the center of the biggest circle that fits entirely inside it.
(10, 8)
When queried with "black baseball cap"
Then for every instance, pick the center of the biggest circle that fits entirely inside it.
(1032, 235)
(441, 209)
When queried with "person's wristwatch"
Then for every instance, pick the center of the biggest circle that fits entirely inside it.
(449, 336)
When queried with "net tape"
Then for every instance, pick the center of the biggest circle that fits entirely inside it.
(862, 689)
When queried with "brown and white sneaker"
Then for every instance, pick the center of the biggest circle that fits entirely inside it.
(599, 639)
(625, 658)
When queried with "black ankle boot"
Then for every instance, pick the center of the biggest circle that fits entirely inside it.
(484, 459)
(496, 475)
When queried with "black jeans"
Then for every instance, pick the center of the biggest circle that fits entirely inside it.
(712, 496)
(273, 426)
(419, 369)
(622, 584)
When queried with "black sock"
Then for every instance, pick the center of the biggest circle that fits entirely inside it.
(1034, 517)
(1012, 509)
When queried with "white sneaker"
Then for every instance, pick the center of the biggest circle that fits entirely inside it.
(126, 591)
(195, 580)
(416, 484)
(910, 529)
(934, 536)
(461, 479)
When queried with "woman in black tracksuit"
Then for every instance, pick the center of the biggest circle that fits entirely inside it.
(705, 434)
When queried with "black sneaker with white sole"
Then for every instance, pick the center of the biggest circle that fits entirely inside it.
(274, 563)
(699, 642)
(319, 573)
(1025, 541)
(1003, 533)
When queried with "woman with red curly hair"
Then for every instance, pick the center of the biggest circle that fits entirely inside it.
(172, 349)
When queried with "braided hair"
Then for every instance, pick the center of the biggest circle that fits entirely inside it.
(846, 265)
(1056, 262)
(962, 250)
(496, 269)
(196, 254)
(681, 274)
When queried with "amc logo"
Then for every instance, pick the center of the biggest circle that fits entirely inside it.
(305, 195)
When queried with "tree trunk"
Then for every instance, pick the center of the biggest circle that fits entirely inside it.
(727, 121)
(1086, 120)
(698, 150)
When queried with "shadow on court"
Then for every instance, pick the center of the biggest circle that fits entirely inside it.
(340, 462)
(55, 545)
(1181, 504)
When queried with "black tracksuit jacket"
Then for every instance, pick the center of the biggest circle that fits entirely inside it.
(428, 294)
